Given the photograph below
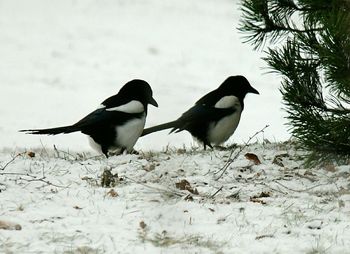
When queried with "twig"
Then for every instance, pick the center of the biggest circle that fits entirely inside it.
(8, 163)
(42, 179)
(65, 156)
(14, 173)
(306, 177)
(302, 190)
(43, 148)
(220, 189)
(33, 178)
(173, 192)
(232, 159)
(274, 189)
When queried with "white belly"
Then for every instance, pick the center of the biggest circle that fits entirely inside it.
(128, 134)
(94, 145)
(223, 129)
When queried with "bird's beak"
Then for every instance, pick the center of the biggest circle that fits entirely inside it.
(153, 102)
(253, 90)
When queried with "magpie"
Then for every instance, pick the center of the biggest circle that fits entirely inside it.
(215, 116)
(117, 123)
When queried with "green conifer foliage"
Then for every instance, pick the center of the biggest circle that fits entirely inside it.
(308, 43)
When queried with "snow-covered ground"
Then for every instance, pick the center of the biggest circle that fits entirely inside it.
(172, 202)
(60, 59)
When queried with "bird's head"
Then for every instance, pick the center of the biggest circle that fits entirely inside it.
(237, 86)
(140, 90)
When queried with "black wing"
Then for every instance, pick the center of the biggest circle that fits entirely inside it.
(210, 99)
(100, 125)
(115, 101)
(103, 117)
(197, 119)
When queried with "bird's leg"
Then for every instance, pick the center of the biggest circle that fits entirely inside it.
(117, 152)
(207, 144)
(105, 151)
(133, 151)
(221, 148)
(126, 151)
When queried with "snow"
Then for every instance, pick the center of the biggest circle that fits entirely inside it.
(58, 201)
(61, 59)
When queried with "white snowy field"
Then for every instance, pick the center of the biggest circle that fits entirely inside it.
(172, 202)
(61, 59)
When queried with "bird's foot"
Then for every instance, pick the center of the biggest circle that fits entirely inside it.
(115, 152)
(121, 152)
(133, 151)
(225, 148)
(220, 148)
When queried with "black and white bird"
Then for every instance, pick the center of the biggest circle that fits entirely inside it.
(214, 117)
(117, 123)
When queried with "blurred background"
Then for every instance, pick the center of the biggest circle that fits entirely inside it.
(60, 59)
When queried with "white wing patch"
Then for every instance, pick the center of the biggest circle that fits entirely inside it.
(131, 107)
(228, 102)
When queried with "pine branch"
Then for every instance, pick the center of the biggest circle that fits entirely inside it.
(314, 60)
(262, 22)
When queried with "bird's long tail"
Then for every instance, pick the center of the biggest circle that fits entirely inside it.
(160, 127)
(52, 131)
